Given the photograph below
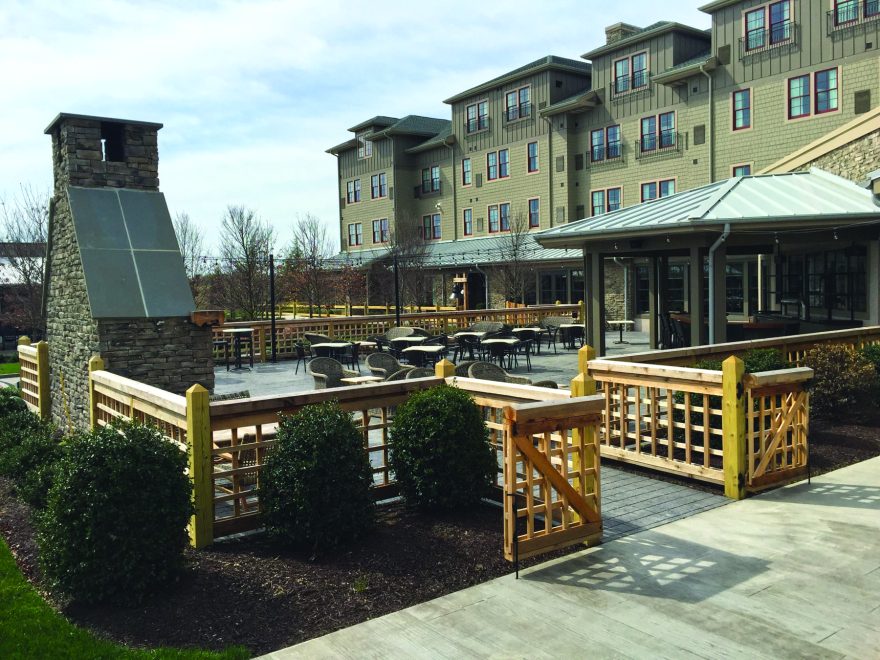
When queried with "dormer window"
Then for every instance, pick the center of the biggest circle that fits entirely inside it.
(630, 74)
(478, 117)
(518, 104)
(365, 147)
(768, 26)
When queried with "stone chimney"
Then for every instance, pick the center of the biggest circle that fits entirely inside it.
(115, 284)
(620, 31)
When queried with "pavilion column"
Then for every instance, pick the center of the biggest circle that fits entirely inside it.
(594, 297)
(653, 339)
(719, 295)
(695, 296)
(874, 283)
(662, 296)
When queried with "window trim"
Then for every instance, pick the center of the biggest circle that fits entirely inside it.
(376, 191)
(358, 234)
(767, 41)
(436, 230)
(489, 176)
(593, 213)
(733, 167)
(498, 176)
(529, 169)
(464, 224)
(529, 212)
(603, 132)
(657, 182)
(619, 142)
(353, 196)
(812, 114)
(519, 104)
(384, 234)
(489, 218)
(605, 198)
(362, 142)
(658, 132)
(815, 98)
(751, 106)
(630, 73)
(470, 171)
(476, 105)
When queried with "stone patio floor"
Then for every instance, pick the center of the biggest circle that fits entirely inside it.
(791, 573)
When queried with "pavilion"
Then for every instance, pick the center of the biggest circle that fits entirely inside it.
(812, 236)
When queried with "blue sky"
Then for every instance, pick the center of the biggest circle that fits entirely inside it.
(252, 93)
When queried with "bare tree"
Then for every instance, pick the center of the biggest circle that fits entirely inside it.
(412, 251)
(514, 269)
(192, 249)
(25, 224)
(304, 272)
(245, 244)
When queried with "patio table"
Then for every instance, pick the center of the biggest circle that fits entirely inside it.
(431, 350)
(330, 348)
(361, 380)
(568, 335)
(469, 333)
(237, 334)
(620, 326)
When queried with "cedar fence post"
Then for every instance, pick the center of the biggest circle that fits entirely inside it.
(96, 363)
(198, 440)
(733, 424)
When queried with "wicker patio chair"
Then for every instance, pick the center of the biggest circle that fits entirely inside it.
(549, 384)
(384, 364)
(328, 372)
(489, 371)
(419, 372)
(316, 338)
(461, 369)
(398, 375)
(394, 333)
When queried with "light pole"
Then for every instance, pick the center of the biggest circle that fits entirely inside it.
(396, 292)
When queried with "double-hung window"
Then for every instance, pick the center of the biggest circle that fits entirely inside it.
(630, 73)
(353, 191)
(431, 227)
(468, 221)
(649, 191)
(503, 163)
(477, 116)
(355, 234)
(533, 157)
(504, 212)
(667, 130)
(814, 94)
(492, 165)
(612, 139)
(493, 219)
(597, 203)
(466, 172)
(658, 132)
(649, 134)
(380, 231)
(518, 104)
(597, 145)
(742, 109)
(769, 25)
(378, 186)
(639, 70)
(534, 213)
(613, 200)
(621, 76)
(431, 179)
(365, 147)
(846, 11)
(607, 200)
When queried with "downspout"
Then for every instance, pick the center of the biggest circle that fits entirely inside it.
(625, 286)
(717, 244)
(550, 166)
(711, 123)
(454, 188)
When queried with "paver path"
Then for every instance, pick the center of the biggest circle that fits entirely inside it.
(791, 573)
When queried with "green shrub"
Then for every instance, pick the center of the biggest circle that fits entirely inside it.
(317, 480)
(871, 352)
(30, 450)
(843, 380)
(440, 450)
(764, 359)
(10, 401)
(114, 526)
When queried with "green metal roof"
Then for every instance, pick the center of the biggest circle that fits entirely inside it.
(762, 202)
(718, 4)
(545, 63)
(580, 102)
(686, 69)
(378, 120)
(653, 30)
(483, 251)
(414, 125)
(444, 137)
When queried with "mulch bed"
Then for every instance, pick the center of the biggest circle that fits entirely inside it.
(250, 592)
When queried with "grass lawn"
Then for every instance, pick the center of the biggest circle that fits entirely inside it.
(29, 628)
(9, 368)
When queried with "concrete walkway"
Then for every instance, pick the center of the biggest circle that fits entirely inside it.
(792, 573)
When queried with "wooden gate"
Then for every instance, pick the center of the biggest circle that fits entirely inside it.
(551, 475)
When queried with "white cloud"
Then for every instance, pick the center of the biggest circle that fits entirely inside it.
(252, 93)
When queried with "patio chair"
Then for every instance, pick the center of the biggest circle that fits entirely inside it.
(486, 326)
(303, 354)
(420, 332)
(328, 372)
(549, 384)
(551, 329)
(419, 372)
(466, 346)
(381, 342)
(461, 369)
(489, 371)
(384, 364)
(316, 338)
(394, 333)
(398, 375)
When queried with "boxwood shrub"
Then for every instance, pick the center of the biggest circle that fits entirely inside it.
(10, 401)
(316, 487)
(114, 526)
(440, 450)
(29, 451)
(844, 381)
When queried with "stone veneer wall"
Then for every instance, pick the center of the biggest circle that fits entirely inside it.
(171, 353)
(853, 161)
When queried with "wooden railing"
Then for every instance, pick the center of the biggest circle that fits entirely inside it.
(34, 376)
(296, 308)
(742, 431)
(287, 331)
(792, 347)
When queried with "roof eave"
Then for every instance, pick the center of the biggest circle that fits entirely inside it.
(679, 76)
(642, 36)
(510, 77)
(587, 101)
(339, 148)
(715, 6)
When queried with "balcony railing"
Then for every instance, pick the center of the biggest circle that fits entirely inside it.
(477, 125)
(763, 39)
(428, 188)
(609, 153)
(520, 111)
(666, 142)
(852, 15)
(624, 85)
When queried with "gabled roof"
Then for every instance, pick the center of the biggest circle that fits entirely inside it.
(578, 103)
(444, 137)
(653, 30)
(378, 120)
(544, 64)
(413, 125)
(763, 202)
(680, 72)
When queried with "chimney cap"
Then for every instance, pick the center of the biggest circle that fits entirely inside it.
(68, 115)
